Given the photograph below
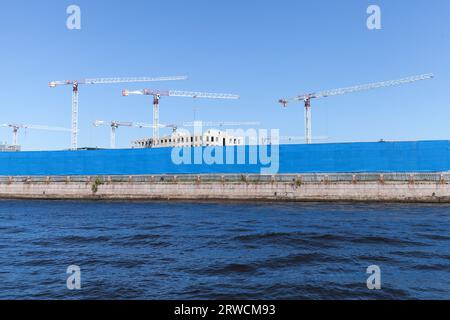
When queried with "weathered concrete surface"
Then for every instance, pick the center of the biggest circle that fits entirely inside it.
(430, 192)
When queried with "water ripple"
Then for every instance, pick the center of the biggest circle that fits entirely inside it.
(175, 250)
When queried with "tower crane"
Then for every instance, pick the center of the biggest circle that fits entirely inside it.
(157, 94)
(116, 124)
(76, 83)
(17, 127)
(306, 98)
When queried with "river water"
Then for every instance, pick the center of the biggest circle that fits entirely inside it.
(183, 250)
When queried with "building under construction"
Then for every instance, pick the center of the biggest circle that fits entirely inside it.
(8, 148)
(210, 138)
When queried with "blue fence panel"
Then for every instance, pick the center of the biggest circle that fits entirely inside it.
(422, 156)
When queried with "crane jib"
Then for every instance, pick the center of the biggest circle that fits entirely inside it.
(335, 92)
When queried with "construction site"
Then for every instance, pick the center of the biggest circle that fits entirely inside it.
(182, 139)
(208, 163)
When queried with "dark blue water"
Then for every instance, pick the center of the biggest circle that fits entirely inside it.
(169, 250)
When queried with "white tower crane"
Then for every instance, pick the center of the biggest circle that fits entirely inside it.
(116, 124)
(76, 83)
(157, 94)
(306, 98)
(17, 127)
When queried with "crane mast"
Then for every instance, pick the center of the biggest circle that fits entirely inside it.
(74, 134)
(75, 91)
(157, 94)
(114, 126)
(306, 98)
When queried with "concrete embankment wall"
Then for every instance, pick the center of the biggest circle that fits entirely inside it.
(434, 187)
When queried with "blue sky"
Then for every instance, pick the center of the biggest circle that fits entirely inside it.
(262, 50)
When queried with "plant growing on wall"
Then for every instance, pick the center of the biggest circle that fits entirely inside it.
(97, 183)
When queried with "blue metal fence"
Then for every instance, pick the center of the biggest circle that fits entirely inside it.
(383, 157)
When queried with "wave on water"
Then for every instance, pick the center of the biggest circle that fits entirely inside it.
(167, 250)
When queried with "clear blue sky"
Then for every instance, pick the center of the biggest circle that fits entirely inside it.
(262, 50)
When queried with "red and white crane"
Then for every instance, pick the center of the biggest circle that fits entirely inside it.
(157, 94)
(76, 83)
(306, 98)
(17, 127)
